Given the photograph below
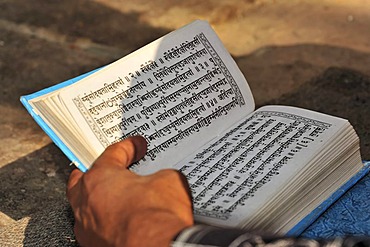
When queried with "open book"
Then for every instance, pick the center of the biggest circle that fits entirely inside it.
(275, 168)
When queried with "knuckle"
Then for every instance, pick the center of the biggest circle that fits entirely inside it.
(171, 178)
(125, 151)
(170, 175)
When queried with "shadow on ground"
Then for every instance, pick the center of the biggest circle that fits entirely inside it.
(33, 182)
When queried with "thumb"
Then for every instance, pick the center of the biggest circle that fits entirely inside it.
(122, 154)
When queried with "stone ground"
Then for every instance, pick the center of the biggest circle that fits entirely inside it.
(313, 53)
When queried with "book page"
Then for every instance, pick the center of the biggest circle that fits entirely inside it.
(232, 177)
(178, 92)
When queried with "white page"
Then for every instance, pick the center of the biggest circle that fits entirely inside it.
(178, 92)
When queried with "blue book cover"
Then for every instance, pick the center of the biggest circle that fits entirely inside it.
(346, 212)
(347, 216)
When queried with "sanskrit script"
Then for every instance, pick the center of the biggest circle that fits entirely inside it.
(183, 90)
(232, 169)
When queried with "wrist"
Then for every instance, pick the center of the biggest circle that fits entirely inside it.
(152, 228)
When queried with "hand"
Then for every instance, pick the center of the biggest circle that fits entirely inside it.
(115, 207)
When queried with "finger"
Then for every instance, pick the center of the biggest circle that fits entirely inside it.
(123, 154)
(186, 186)
(74, 178)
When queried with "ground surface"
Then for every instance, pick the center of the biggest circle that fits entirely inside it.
(313, 53)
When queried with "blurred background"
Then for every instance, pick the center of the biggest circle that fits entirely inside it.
(309, 53)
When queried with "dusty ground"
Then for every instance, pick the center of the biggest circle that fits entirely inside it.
(313, 53)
